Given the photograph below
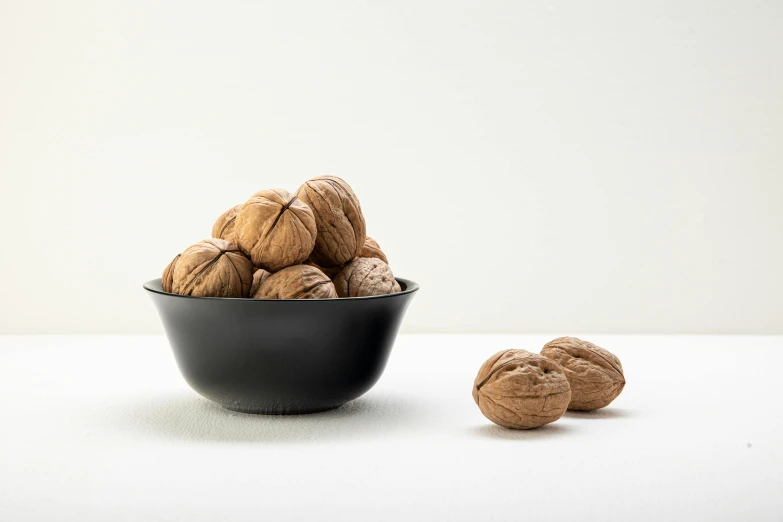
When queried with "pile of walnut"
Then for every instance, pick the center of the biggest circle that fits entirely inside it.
(522, 390)
(307, 245)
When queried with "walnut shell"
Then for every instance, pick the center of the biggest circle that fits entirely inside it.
(258, 277)
(372, 249)
(168, 274)
(224, 226)
(296, 282)
(275, 229)
(596, 375)
(212, 268)
(521, 390)
(330, 272)
(365, 276)
(338, 216)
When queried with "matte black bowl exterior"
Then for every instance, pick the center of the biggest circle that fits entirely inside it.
(281, 356)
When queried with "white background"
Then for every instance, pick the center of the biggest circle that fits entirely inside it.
(535, 166)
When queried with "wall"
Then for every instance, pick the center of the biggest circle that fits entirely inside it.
(537, 167)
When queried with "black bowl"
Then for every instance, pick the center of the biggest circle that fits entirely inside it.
(281, 356)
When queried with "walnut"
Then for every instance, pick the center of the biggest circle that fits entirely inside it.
(296, 282)
(258, 277)
(521, 390)
(168, 274)
(338, 216)
(275, 229)
(224, 226)
(330, 272)
(596, 375)
(365, 276)
(372, 249)
(212, 268)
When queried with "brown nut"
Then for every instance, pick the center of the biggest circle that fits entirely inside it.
(365, 276)
(168, 274)
(338, 216)
(296, 282)
(224, 226)
(521, 390)
(372, 249)
(275, 229)
(330, 272)
(212, 268)
(258, 277)
(596, 375)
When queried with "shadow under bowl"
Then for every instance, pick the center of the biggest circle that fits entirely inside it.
(281, 356)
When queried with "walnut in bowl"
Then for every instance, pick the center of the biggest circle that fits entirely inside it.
(365, 276)
(339, 220)
(210, 268)
(296, 282)
(275, 229)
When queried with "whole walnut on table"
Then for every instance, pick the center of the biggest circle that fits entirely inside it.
(364, 277)
(596, 375)
(296, 282)
(224, 226)
(275, 229)
(212, 268)
(521, 390)
(339, 220)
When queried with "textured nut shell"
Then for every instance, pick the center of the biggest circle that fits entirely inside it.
(331, 272)
(275, 229)
(296, 282)
(212, 268)
(168, 274)
(338, 216)
(521, 390)
(596, 375)
(372, 249)
(365, 276)
(224, 226)
(258, 277)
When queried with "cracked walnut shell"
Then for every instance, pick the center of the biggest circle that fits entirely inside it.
(365, 276)
(521, 390)
(212, 268)
(339, 219)
(596, 375)
(275, 229)
(224, 226)
(296, 282)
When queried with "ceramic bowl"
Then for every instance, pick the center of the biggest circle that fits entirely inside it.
(281, 356)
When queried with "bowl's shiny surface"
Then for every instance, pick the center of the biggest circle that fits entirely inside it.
(281, 356)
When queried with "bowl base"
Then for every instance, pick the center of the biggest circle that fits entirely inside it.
(275, 411)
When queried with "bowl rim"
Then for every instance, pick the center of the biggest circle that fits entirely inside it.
(410, 287)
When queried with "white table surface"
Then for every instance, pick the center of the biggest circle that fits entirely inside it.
(104, 428)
